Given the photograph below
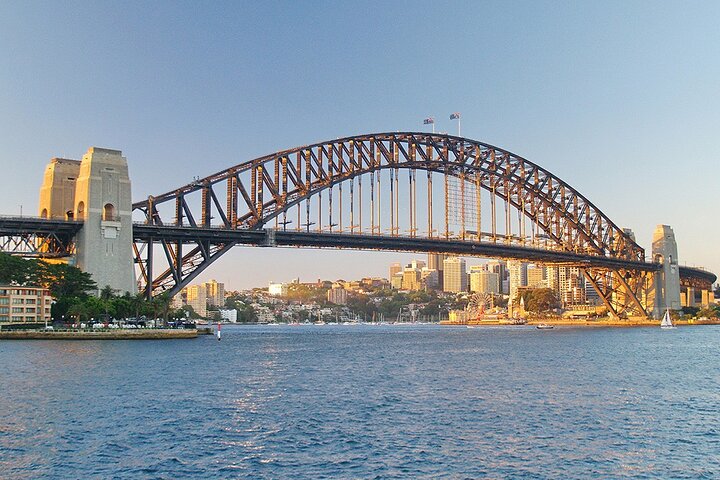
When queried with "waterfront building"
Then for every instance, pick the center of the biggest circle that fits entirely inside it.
(24, 304)
(337, 294)
(229, 314)
(454, 275)
(483, 281)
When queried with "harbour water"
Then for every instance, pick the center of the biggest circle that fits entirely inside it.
(366, 402)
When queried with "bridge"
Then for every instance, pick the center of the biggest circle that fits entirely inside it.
(401, 191)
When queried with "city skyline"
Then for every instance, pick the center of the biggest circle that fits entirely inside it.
(626, 115)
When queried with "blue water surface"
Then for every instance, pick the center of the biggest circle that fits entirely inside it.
(366, 402)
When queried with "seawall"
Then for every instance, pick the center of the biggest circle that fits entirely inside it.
(140, 334)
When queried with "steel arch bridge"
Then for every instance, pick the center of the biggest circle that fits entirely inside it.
(390, 191)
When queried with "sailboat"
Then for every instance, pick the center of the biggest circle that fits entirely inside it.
(666, 322)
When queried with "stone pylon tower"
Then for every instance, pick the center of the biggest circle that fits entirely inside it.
(667, 280)
(103, 203)
(57, 194)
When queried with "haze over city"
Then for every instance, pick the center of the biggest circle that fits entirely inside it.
(618, 100)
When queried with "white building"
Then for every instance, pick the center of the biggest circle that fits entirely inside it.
(278, 289)
(229, 315)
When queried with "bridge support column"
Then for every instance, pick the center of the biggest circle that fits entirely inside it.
(103, 202)
(689, 295)
(707, 299)
(667, 280)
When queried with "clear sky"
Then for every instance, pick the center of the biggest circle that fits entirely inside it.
(619, 99)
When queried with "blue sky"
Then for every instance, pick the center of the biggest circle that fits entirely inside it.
(620, 99)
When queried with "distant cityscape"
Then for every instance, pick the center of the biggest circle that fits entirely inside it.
(438, 288)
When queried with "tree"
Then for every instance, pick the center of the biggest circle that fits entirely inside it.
(539, 300)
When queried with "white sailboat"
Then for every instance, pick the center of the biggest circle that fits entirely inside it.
(666, 322)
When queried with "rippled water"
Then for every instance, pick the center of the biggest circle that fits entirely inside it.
(366, 402)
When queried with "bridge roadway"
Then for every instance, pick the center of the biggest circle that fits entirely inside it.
(295, 238)
(14, 226)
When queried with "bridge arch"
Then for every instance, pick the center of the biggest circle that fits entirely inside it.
(264, 193)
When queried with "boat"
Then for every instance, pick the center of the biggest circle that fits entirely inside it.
(666, 321)
(544, 326)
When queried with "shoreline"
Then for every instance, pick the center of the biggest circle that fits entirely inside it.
(559, 322)
(143, 334)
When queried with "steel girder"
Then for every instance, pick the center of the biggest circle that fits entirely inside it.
(260, 190)
(38, 237)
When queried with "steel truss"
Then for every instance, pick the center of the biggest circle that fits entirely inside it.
(38, 237)
(287, 188)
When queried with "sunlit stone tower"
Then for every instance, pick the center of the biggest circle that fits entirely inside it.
(103, 203)
(57, 194)
(667, 280)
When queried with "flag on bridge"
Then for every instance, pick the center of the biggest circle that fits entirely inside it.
(455, 116)
(428, 121)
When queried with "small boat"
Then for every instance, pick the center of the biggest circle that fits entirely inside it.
(666, 321)
(544, 326)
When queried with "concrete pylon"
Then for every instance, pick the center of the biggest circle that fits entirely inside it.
(57, 194)
(667, 280)
(103, 203)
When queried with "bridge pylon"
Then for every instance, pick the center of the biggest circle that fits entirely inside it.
(667, 280)
(96, 191)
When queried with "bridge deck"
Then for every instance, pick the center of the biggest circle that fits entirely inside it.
(378, 242)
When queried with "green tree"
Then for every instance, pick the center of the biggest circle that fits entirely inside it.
(540, 300)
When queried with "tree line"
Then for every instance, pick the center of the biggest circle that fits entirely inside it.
(73, 291)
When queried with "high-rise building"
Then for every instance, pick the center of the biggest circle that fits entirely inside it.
(536, 276)
(499, 267)
(552, 277)
(518, 276)
(197, 299)
(482, 281)
(337, 294)
(435, 262)
(454, 275)
(429, 279)
(411, 278)
(215, 293)
(396, 281)
(394, 268)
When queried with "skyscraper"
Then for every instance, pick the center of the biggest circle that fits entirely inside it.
(215, 293)
(435, 262)
(518, 276)
(455, 277)
(197, 299)
(394, 268)
(482, 281)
